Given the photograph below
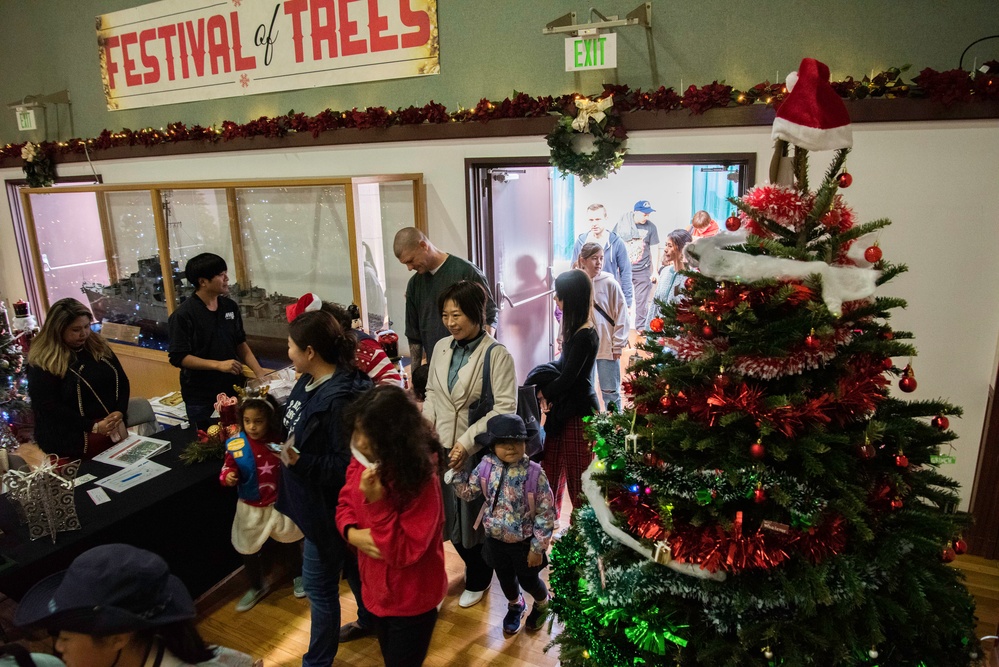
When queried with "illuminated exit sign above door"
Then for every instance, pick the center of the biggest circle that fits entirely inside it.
(591, 52)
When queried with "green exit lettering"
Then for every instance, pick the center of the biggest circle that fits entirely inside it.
(26, 120)
(590, 52)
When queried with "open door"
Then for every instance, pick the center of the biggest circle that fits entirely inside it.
(515, 253)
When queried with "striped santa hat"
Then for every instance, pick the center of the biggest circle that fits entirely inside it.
(813, 116)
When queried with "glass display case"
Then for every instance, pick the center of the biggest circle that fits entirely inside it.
(112, 245)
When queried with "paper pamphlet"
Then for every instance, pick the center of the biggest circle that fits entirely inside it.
(132, 449)
(134, 474)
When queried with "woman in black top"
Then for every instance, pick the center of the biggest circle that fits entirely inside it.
(78, 390)
(570, 396)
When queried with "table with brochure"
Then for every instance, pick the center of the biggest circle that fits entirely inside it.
(176, 510)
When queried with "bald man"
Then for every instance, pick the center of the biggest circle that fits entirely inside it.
(435, 271)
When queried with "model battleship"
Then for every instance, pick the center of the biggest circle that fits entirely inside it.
(139, 300)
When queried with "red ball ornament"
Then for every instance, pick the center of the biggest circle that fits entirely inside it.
(656, 324)
(902, 461)
(759, 496)
(948, 555)
(845, 180)
(757, 450)
(708, 331)
(896, 503)
(665, 400)
(887, 364)
(733, 223)
(873, 254)
(813, 342)
(908, 381)
(940, 422)
(688, 284)
(866, 451)
(960, 546)
(887, 335)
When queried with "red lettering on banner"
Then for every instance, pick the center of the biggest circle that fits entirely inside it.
(184, 70)
(152, 63)
(197, 41)
(218, 43)
(165, 33)
(411, 19)
(348, 28)
(294, 9)
(323, 31)
(109, 64)
(377, 24)
(237, 47)
(132, 78)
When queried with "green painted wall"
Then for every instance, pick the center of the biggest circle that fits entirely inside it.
(489, 49)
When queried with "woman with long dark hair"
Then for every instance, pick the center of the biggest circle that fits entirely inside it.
(315, 459)
(77, 387)
(670, 280)
(455, 387)
(391, 510)
(569, 396)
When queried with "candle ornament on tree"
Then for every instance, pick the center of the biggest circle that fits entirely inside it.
(699, 544)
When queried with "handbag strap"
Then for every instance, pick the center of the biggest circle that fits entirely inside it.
(94, 391)
(603, 312)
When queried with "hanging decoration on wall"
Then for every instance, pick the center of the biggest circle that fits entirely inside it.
(948, 88)
(589, 140)
(38, 167)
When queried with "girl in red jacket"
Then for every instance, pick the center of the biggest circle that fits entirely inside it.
(391, 510)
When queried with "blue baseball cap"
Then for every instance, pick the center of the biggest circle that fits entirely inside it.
(644, 206)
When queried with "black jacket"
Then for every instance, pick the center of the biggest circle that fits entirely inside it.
(60, 425)
(310, 489)
(567, 383)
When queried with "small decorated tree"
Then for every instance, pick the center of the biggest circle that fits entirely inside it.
(14, 409)
(768, 501)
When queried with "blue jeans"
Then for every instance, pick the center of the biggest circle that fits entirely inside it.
(321, 579)
(609, 377)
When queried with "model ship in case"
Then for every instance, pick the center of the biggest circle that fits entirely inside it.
(139, 300)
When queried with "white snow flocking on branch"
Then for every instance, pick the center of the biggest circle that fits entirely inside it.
(839, 283)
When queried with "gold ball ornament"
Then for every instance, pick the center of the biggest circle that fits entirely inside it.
(214, 430)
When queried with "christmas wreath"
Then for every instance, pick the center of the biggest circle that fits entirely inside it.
(599, 121)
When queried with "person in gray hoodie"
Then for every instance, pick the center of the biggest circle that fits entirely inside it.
(610, 318)
(616, 261)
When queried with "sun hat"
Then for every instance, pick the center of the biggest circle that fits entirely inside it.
(109, 589)
(507, 427)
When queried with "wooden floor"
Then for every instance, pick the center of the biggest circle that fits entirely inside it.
(277, 629)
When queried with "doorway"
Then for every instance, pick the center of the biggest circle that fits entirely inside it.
(525, 219)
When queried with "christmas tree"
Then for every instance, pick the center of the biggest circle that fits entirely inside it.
(14, 408)
(768, 501)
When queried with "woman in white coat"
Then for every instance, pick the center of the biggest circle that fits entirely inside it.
(454, 392)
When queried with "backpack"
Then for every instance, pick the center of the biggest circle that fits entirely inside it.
(530, 488)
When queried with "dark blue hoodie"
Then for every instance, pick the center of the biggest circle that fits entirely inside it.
(310, 489)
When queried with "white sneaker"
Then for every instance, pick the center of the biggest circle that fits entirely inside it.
(470, 598)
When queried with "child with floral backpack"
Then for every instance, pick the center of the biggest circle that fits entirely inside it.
(518, 515)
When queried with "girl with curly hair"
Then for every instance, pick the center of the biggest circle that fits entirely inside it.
(392, 511)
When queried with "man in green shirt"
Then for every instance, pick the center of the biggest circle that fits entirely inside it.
(435, 270)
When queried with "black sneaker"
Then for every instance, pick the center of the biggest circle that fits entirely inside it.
(514, 612)
(536, 619)
(354, 630)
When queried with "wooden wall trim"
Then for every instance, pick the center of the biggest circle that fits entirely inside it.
(861, 111)
(983, 537)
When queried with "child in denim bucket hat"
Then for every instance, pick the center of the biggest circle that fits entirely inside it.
(518, 515)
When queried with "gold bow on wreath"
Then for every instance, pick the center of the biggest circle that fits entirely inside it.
(589, 109)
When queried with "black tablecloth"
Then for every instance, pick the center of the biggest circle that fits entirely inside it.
(184, 515)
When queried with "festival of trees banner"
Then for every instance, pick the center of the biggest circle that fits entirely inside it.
(185, 50)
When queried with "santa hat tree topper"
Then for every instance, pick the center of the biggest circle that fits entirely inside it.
(813, 116)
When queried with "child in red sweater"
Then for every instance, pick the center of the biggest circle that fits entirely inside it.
(254, 469)
(391, 510)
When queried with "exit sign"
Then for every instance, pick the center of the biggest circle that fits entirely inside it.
(591, 52)
(26, 119)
